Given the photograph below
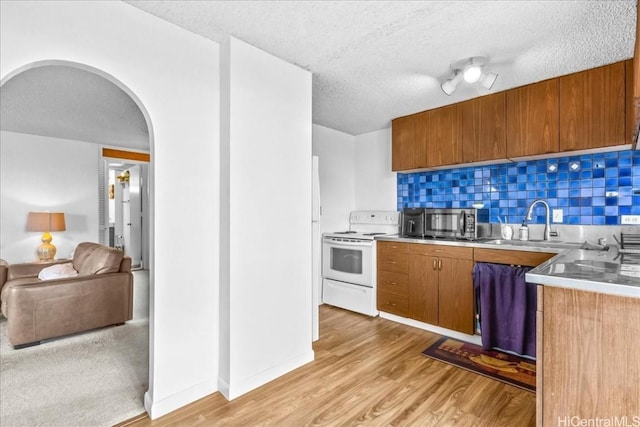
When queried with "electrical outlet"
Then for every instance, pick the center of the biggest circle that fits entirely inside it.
(630, 219)
(557, 215)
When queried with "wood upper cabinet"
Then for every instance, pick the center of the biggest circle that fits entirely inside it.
(631, 104)
(636, 66)
(532, 119)
(402, 130)
(444, 136)
(409, 142)
(484, 128)
(633, 108)
(592, 108)
(586, 110)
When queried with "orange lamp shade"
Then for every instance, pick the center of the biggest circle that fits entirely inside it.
(46, 221)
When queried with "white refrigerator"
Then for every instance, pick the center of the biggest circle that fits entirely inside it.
(316, 240)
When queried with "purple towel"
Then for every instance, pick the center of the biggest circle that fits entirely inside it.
(507, 307)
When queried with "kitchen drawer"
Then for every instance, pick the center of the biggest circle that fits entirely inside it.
(393, 283)
(393, 247)
(442, 251)
(393, 262)
(392, 303)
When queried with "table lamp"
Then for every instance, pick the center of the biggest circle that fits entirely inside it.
(46, 222)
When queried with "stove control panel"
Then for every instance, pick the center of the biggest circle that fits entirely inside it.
(374, 217)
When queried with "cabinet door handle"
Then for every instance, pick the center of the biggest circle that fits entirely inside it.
(392, 262)
(435, 264)
(439, 264)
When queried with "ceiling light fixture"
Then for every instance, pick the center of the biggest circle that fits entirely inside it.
(471, 70)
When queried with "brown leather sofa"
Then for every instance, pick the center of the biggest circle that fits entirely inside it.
(100, 295)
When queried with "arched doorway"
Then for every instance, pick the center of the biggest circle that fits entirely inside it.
(92, 123)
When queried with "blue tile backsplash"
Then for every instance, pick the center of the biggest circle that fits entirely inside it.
(591, 189)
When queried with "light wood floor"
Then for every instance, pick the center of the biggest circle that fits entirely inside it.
(369, 372)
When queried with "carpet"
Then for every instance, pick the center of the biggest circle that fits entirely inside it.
(508, 368)
(96, 378)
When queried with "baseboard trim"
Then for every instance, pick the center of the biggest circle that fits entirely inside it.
(473, 339)
(234, 389)
(157, 409)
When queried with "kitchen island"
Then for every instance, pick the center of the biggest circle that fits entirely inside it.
(588, 338)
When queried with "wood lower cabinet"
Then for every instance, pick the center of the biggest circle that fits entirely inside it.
(423, 288)
(455, 299)
(588, 357)
(533, 119)
(509, 257)
(429, 283)
(592, 108)
(393, 278)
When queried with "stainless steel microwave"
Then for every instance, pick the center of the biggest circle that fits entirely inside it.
(444, 222)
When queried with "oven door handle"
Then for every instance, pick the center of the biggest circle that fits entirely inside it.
(351, 243)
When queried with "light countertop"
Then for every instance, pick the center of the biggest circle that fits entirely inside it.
(608, 272)
(488, 243)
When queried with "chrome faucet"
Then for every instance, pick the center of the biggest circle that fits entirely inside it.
(547, 227)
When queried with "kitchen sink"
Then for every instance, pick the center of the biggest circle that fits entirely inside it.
(535, 243)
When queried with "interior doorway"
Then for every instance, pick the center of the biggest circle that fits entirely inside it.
(70, 101)
(124, 222)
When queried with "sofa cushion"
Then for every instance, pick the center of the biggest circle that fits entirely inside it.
(57, 271)
(93, 258)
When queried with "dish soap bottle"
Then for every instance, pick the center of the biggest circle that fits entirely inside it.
(524, 231)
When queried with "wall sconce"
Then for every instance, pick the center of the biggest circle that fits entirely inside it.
(471, 70)
(123, 177)
(46, 222)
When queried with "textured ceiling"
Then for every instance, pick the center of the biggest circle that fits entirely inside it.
(69, 103)
(376, 60)
(371, 60)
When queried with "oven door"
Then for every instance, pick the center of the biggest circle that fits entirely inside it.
(348, 261)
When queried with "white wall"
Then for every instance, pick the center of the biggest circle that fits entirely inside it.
(375, 183)
(355, 174)
(175, 75)
(335, 151)
(46, 174)
(266, 273)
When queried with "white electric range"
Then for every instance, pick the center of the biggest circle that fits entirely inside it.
(349, 261)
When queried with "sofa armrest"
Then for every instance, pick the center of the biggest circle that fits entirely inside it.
(3, 274)
(125, 265)
(32, 269)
